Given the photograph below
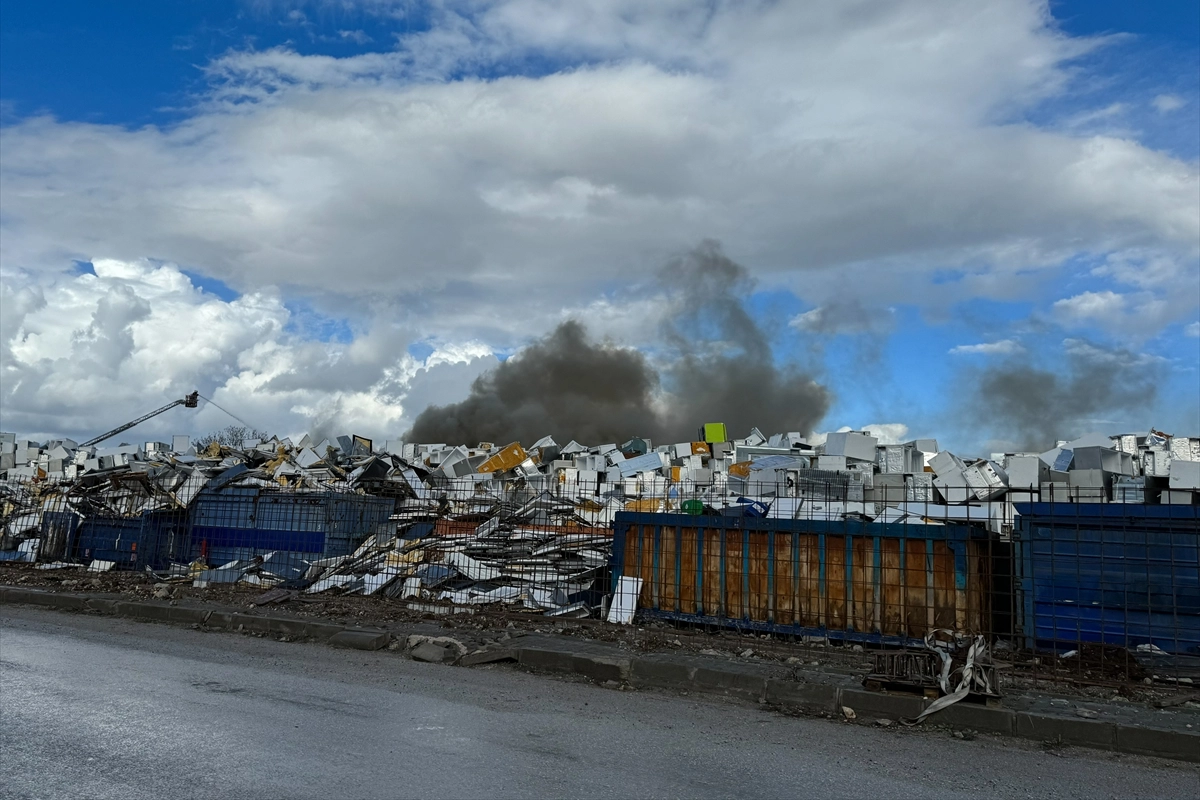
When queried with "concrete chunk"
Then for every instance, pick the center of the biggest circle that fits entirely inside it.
(432, 653)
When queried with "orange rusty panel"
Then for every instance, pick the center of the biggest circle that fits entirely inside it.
(700, 449)
(649, 590)
(978, 587)
(712, 573)
(809, 580)
(915, 589)
(633, 552)
(786, 598)
(975, 580)
(892, 591)
(451, 527)
(668, 595)
(759, 599)
(734, 597)
(835, 581)
(905, 588)
(863, 576)
(508, 458)
(687, 571)
(944, 595)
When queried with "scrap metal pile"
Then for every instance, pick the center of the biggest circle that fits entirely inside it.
(531, 526)
(540, 555)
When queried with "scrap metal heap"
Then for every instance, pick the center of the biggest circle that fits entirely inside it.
(531, 526)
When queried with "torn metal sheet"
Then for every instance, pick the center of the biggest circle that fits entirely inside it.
(211, 577)
(332, 581)
(500, 594)
(372, 583)
(473, 569)
(572, 611)
(624, 602)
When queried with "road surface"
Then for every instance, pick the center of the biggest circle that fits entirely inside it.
(96, 707)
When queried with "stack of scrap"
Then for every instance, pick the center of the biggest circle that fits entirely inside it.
(850, 474)
(541, 556)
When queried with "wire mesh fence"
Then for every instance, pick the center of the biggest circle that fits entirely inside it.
(1061, 592)
(1082, 593)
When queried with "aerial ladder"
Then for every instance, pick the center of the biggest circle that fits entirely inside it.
(190, 401)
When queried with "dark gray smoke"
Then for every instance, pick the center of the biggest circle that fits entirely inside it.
(725, 370)
(1033, 407)
(561, 384)
(721, 369)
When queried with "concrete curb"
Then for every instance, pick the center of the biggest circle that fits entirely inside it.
(748, 682)
(363, 638)
(751, 682)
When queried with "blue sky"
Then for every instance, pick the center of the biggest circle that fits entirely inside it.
(284, 159)
(141, 63)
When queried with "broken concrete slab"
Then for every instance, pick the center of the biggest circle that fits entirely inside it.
(487, 656)
(432, 653)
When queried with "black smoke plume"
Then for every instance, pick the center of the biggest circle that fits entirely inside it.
(720, 368)
(1039, 406)
(562, 383)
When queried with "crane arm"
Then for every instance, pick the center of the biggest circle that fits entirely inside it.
(189, 402)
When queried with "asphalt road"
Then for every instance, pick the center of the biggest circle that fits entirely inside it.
(97, 707)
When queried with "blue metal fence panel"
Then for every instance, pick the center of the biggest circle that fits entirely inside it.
(240, 522)
(1114, 574)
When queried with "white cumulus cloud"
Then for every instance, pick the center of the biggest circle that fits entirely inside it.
(446, 190)
(86, 352)
(1134, 314)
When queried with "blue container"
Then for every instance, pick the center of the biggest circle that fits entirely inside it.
(853, 580)
(154, 539)
(1114, 574)
(236, 523)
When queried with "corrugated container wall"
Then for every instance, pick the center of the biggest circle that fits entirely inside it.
(242, 522)
(845, 580)
(1123, 575)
